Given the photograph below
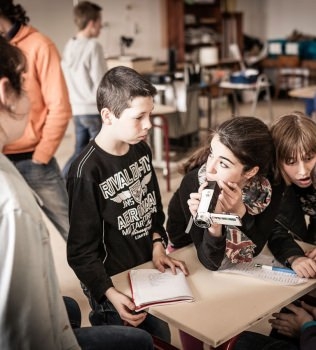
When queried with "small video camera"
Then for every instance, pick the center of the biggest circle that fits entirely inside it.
(205, 217)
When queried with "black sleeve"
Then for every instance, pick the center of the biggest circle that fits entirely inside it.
(85, 237)
(308, 339)
(177, 223)
(290, 218)
(159, 216)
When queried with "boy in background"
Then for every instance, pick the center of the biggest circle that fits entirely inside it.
(84, 65)
(116, 215)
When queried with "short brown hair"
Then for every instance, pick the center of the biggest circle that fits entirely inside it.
(294, 134)
(85, 12)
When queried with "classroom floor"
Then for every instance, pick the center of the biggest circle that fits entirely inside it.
(68, 281)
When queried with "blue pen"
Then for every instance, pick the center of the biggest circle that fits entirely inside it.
(275, 268)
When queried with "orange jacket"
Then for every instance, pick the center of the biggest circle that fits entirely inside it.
(50, 108)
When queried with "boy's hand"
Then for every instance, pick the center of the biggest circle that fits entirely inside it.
(304, 267)
(289, 324)
(310, 309)
(161, 261)
(125, 307)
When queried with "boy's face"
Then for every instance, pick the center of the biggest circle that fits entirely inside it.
(134, 123)
(298, 171)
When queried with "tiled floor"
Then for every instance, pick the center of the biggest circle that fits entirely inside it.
(68, 281)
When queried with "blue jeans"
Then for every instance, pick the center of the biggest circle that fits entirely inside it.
(256, 341)
(46, 181)
(105, 313)
(86, 128)
(106, 337)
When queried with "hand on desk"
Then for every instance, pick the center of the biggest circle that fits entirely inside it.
(289, 324)
(161, 260)
(305, 266)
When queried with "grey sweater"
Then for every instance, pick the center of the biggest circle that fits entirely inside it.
(83, 65)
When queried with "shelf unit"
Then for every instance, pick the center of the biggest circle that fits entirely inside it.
(191, 26)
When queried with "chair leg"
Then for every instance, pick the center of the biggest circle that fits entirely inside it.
(229, 344)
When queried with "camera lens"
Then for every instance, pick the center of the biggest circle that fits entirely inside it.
(203, 220)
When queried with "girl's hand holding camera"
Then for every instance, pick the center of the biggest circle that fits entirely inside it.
(229, 201)
(230, 198)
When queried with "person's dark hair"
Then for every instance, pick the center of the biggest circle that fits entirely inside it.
(294, 135)
(12, 65)
(14, 13)
(248, 138)
(119, 86)
(85, 12)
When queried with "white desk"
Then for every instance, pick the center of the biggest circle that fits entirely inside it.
(308, 94)
(225, 304)
(304, 92)
(261, 84)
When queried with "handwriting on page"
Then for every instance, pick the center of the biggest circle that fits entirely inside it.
(158, 280)
(249, 269)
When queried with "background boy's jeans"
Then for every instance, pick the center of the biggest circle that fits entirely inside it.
(105, 313)
(86, 128)
(106, 337)
(46, 181)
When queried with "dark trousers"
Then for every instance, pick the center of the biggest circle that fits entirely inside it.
(106, 337)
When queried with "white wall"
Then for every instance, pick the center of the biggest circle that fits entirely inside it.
(274, 19)
(265, 19)
(287, 15)
(143, 22)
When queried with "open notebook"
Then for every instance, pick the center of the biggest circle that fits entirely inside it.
(151, 287)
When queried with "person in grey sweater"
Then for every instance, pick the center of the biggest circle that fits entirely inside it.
(84, 65)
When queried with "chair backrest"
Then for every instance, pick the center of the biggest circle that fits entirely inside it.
(236, 54)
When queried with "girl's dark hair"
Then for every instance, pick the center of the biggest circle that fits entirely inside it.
(84, 12)
(248, 138)
(14, 13)
(119, 86)
(12, 64)
(294, 135)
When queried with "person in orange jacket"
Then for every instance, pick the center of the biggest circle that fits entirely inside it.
(33, 153)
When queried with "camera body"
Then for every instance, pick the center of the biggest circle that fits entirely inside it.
(205, 217)
(207, 204)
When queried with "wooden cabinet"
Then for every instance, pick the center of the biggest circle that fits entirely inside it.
(195, 24)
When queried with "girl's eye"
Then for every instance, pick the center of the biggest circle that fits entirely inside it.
(309, 157)
(290, 162)
(223, 165)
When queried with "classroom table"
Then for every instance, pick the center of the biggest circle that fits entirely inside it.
(308, 94)
(262, 84)
(225, 304)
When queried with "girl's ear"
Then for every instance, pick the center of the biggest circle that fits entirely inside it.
(4, 91)
(252, 172)
(106, 116)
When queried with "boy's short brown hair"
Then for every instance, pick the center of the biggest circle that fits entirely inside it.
(85, 12)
